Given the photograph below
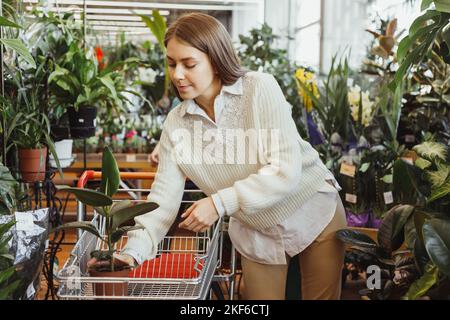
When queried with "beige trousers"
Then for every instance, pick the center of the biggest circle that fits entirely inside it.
(320, 263)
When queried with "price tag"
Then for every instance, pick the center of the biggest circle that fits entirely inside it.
(24, 221)
(30, 290)
(388, 197)
(73, 281)
(348, 169)
(410, 138)
(351, 198)
(131, 157)
(80, 120)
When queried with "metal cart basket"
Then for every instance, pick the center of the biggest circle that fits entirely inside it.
(184, 266)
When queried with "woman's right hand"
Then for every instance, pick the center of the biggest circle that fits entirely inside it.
(119, 260)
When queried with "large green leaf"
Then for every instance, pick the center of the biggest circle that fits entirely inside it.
(19, 47)
(356, 238)
(123, 215)
(87, 226)
(117, 235)
(89, 197)
(442, 5)
(110, 173)
(391, 232)
(421, 257)
(7, 23)
(107, 81)
(423, 284)
(436, 233)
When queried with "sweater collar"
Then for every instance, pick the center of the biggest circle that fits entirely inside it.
(189, 106)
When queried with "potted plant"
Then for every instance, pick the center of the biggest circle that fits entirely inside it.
(420, 223)
(116, 214)
(29, 127)
(79, 85)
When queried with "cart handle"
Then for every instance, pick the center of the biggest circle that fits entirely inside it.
(91, 174)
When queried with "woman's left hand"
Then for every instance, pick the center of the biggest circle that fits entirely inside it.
(200, 216)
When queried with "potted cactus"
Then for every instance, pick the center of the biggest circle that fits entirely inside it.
(116, 214)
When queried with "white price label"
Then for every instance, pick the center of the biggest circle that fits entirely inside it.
(388, 197)
(131, 157)
(81, 120)
(351, 198)
(73, 280)
(24, 221)
(30, 290)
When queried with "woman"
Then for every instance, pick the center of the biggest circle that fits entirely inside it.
(279, 196)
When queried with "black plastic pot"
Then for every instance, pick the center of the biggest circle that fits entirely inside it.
(60, 133)
(82, 122)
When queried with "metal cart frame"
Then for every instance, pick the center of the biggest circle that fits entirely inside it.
(185, 270)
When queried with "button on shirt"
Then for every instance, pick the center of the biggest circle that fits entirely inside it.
(293, 235)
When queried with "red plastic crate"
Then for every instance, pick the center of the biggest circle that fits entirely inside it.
(168, 265)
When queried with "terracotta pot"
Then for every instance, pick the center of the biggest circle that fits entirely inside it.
(116, 289)
(32, 164)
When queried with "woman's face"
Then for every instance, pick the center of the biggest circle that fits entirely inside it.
(190, 70)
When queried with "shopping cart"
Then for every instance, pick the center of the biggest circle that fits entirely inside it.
(184, 268)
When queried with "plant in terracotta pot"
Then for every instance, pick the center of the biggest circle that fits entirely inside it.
(27, 130)
(115, 214)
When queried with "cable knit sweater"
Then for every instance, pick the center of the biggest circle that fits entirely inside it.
(262, 193)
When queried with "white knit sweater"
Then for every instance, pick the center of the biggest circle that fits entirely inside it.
(262, 193)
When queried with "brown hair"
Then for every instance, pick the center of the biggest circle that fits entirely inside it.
(207, 34)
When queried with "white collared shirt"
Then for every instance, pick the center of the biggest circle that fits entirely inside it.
(270, 245)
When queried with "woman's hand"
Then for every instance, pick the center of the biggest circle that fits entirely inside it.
(119, 260)
(154, 156)
(200, 216)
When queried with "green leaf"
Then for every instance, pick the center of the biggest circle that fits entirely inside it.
(124, 214)
(19, 47)
(387, 178)
(439, 192)
(403, 48)
(107, 81)
(110, 173)
(89, 197)
(391, 232)
(364, 167)
(431, 150)
(356, 238)
(424, 283)
(117, 235)
(425, 4)
(422, 163)
(7, 23)
(442, 5)
(87, 226)
(436, 233)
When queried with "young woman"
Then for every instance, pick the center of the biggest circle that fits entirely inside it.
(281, 199)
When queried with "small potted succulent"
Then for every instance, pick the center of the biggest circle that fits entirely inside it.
(116, 214)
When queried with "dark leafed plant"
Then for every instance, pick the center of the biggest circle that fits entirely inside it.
(422, 226)
(398, 267)
(116, 213)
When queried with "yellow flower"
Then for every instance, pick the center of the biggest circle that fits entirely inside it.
(308, 79)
